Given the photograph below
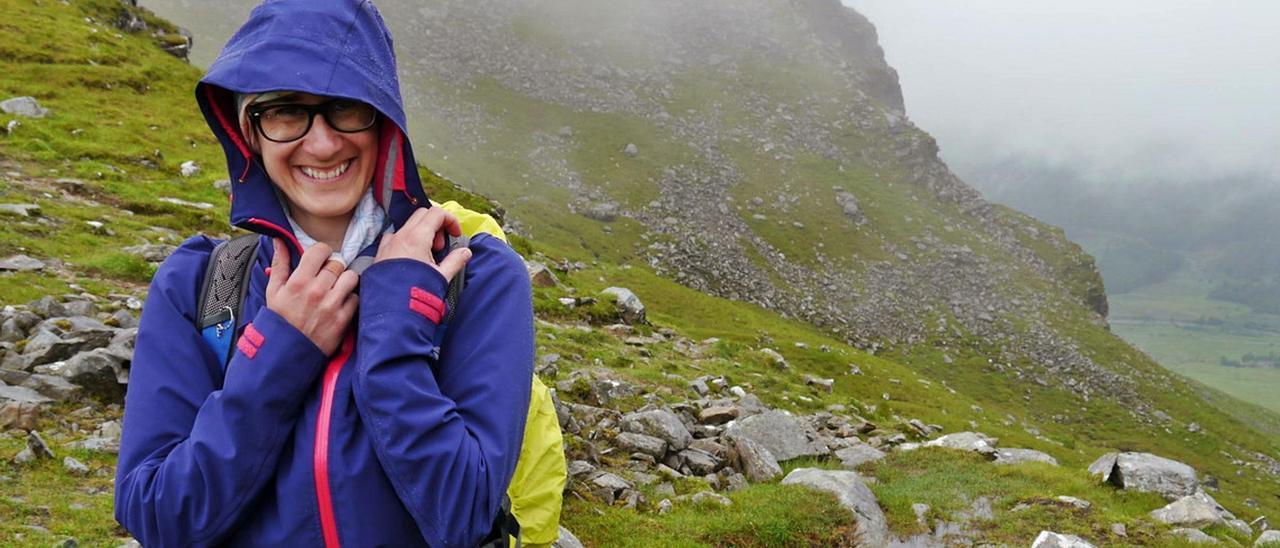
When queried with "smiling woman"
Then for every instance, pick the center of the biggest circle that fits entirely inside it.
(336, 418)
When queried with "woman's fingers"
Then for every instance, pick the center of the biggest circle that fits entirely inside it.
(313, 259)
(454, 262)
(279, 266)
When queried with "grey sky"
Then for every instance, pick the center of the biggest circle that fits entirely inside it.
(1128, 88)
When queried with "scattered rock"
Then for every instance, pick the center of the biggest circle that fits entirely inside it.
(26, 107)
(640, 443)
(1147, 473)
(20, 210)
(827, 385)
(97, 371)
(967, 441)
(775, 358)
(856, 454)
(203, 206)
(1018, 456)
(853, 495)
(718, 414)
(21, 263)
(1075, 502)
(849, 203)
(1271, 537)
(629, 305)
(189, 168)
(785, 436)
(708, 496)
(631, 150)
(74, 467)
(754, 459)
(1194, 536)
(567, 540)
(540, 275)
(1197, 510)
(152, 253)
(659, 423)
(607, 487)
(1049, 539)
(1119, 530)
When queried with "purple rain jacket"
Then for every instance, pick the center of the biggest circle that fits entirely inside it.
(409, 434)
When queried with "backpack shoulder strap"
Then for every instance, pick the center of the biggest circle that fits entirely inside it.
(459, 281)
(222, 292)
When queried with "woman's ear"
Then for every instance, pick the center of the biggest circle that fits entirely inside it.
(250, 136)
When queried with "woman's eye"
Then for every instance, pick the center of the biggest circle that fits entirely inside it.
(286, 112)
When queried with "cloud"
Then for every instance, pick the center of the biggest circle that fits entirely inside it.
(1145, 89)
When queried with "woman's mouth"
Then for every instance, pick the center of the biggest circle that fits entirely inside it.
(325, 174)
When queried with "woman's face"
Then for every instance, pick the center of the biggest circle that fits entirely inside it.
(325, 173)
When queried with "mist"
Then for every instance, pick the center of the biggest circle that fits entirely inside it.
(1138, 90)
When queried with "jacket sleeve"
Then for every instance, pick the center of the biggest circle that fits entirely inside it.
(193, 456)
(447, 421)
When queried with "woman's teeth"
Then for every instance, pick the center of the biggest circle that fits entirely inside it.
(330, 174)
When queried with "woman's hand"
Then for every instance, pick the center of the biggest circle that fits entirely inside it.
(420, 235)
(318, 298)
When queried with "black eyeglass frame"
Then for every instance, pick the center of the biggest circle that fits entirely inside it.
(255, 117)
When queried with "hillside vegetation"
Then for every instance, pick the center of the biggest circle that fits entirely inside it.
(928, 310)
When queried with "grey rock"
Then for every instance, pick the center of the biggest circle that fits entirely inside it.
(97, 371)
(709, 497)
(1196, 510)
(1270, 537)
(858, 454)
(754, 459)
(664, 507)
(750, 404)
(629, 305)
(1240, 526)
(1194, 536)
(21, 263)
(21, 394)
(827, 385)
(1049, 539)
(849, 203)
(718, 414)
(736, 482)
(1119, 530)
(640, 443)
(1073, 501)
(49, 386)
(74, 467)
(47, 307)
(26, 107)
(152, 253)
(853, 495)
(19, 415)
(700, 462)
(631, 150)
(567, 540)
(785, 436)
(1018, 456)
(224, 185)
(189, 168)
(20, 210)
(713, 448)
(1147, 473)
(105, 439)
(605, 212)
(607, 487)
(1101, 468)
(659, 423)
(38, 447)
(579, 468)
(967, 441)
(775, 359)
(81, 308)
(540, 275)
(124, 319)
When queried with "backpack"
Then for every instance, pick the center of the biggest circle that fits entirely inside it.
(530, 512)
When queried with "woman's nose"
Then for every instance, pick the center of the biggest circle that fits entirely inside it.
(322, 141)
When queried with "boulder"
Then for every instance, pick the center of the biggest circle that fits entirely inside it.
(1049, 539)
(659, 423)
(540, 275)
(718, 414)
(607, 487)
(1193, 536)
(74, 467)
(967, 441)
(20, 210)
(857, 454)
(785, 436)
(566, 540)
(152, 253)
(629, 305)
(20, 407)
(49, 386)
(754, 460)
(631, 150)
(21, 263)
(700, 462)
(47, 307)
(1147, 473)
(189, 168)
(775, 359)
(1197, 510)
(105, 439)
(853, 495)
(1018, 456)
(97, 371)
(849, 203)
(26, 107)
(1268, 538)
(640, 443)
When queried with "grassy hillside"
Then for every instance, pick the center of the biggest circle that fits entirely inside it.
(123, 120)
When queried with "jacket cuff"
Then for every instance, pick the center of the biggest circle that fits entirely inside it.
(406, 292)
(270, 347)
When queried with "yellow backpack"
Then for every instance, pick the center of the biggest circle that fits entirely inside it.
(537, 487)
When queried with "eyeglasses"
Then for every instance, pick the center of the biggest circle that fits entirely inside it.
(283, 123)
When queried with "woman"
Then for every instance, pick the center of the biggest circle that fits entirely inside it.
(339, 418)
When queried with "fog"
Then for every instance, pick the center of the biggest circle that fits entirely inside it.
(1133, 90)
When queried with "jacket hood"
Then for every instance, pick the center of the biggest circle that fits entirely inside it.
(338, 48)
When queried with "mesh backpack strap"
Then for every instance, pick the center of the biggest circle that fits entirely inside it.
(459, 281)
(505, 528)
(222, 292)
